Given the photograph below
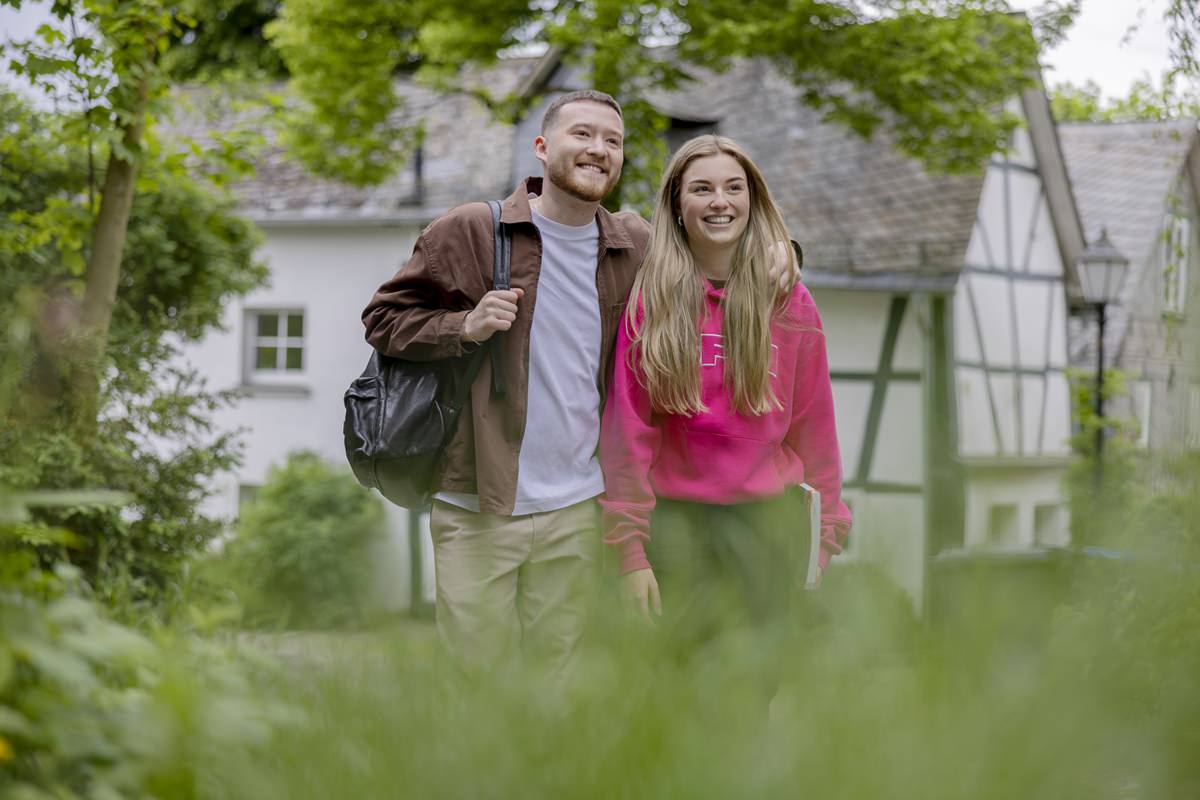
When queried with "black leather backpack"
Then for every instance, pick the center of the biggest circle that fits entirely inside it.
(400, 415)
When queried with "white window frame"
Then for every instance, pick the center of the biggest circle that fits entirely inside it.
(280, 374)
(1176, 255)
(1016, 538)
(1059, 535)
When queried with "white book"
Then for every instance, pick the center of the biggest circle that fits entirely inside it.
(812, 499)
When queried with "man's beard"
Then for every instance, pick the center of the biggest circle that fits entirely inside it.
(562, 174)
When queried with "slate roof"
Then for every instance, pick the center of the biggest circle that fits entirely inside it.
(1121, 174)
(465, 156)
(866, 215)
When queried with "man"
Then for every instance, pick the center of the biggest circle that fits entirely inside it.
(514, 522)
(514, 519)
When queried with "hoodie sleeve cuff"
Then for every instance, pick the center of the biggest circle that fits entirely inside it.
(633, 555)
(823, 559)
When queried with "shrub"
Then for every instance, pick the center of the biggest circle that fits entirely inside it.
(90, 707)
(301, 554)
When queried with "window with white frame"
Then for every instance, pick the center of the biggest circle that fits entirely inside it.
(1050, 525)
(1004, 529)
(1176, 241)
(274, 343)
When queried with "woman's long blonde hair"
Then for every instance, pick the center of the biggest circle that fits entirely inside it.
(670, 287)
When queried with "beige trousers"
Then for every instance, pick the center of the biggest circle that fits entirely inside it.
(514, 585)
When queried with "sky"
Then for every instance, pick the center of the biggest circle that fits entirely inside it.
(1097, 47)
(1100, 47)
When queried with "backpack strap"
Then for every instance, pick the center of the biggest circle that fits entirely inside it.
(501, 275)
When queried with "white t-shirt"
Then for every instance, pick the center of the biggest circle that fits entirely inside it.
(558, 465)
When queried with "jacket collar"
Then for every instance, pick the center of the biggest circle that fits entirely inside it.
(515, 208)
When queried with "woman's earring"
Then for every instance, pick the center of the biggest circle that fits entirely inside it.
(679, 221)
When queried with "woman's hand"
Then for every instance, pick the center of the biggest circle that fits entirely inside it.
(640, 589)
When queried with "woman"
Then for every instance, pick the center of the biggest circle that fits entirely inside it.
(719, 407)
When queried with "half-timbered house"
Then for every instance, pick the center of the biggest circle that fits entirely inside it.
(1140, 181)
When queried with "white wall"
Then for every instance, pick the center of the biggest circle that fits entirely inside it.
(331, 274)
(889, 526)
(1010, 342)
(890, 532)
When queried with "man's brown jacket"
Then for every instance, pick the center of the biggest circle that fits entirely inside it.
(419, 315)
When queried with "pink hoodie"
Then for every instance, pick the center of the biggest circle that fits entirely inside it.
(722, 456)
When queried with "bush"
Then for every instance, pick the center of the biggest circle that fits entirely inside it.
(134, 557)
(1100, 491)
(301, 556)
(93, 708)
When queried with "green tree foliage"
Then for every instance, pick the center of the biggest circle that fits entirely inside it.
(107, 66)
(937, 73)
(1101, 485)
(227, 37)
(104, 57)
(1175, 98)
(1071, 103)
(187, 253)
(301, 555)
(1183, 28)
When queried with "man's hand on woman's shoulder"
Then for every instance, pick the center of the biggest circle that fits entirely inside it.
(784, 269)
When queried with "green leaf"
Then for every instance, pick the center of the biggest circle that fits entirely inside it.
(7, 666)
(67, 670)
(50, 35)
(14, 723)
(39, 66)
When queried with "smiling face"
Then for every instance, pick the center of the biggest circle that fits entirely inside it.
(582, 152)
(714, 202)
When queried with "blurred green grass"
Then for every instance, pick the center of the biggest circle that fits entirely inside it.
(874, 705)
(1074, 675)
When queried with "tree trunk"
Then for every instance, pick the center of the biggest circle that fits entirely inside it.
(104, 267)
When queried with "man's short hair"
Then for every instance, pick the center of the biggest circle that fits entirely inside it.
(574, 97)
